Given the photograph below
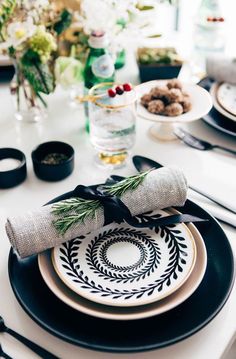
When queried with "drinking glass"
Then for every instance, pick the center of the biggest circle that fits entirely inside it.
(112, 124)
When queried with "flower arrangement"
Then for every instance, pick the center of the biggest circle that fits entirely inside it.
(39, 34)
(29, 34)
(121, 20)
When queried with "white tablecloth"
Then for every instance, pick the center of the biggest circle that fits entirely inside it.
(213, 171)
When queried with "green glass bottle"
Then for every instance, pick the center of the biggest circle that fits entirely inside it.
(120, 60)
(99, 66)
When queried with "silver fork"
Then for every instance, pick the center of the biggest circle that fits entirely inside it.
(3, 354)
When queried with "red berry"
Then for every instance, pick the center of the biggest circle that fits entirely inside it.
(209, 18)
(221, 19)
(119, 90)
(127, 87)
(111, 93)
(214, 19)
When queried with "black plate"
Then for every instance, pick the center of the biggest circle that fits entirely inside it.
(215, 118)
(138, 335)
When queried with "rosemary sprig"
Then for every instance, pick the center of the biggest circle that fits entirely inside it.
(74, 211)
(129, 183)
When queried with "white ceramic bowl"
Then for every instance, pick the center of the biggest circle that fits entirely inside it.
(164, 129)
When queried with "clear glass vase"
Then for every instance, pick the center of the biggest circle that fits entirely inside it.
(29, 107)
(74, 91)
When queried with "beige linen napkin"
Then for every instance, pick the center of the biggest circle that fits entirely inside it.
(34, 232)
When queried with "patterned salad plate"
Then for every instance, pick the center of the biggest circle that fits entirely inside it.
(123, 266)
(83, 305)
(155, 331)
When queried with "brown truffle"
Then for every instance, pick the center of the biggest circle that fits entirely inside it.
(174, 83)
(185, 94)
(156, 106)
(174, 95)
(159, 92)
(174, 109)
(145, 99)
(186, 103)
(167, 100)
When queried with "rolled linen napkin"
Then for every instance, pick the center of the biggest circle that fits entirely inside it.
(221, 69)
(35, 231)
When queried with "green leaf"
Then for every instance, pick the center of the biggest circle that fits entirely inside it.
(127, 184)
(154, 36)
(6, 9)
(64, 22)
(30, 57)
(39, 77)
(38, 74)
(11, 51)
(73, 212)
(122, 22)
(144, 7)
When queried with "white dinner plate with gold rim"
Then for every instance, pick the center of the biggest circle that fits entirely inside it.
(226, 96)
(119, 265)
(126, 313)
(216, 104)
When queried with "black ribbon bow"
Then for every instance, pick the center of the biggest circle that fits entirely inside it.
(116, 211)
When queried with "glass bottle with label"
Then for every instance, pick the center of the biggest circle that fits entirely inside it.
(209, 32)
(99, 66)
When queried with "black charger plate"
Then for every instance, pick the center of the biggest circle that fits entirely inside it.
(215, 118)
(138, 335)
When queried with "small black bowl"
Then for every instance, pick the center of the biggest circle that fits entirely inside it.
(53, 172)
(158, 72)
(6, 73)
(12, 178)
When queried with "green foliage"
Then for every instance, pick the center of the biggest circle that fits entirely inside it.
(64, 22)
(30, 57)
(43, 43)
(147, 7)
(73, 211)
(144, 7)
(165, 55)
(11, 51)
(129, 183)
(6, 9)
(38, 74)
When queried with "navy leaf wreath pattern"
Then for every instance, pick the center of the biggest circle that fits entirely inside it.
(150, 255)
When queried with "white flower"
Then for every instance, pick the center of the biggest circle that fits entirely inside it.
(30, 4)
(98, 15)
(68, 71)
(41, 3)
(3, 47)
(18, 32)
(123, 20)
